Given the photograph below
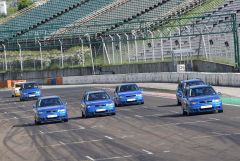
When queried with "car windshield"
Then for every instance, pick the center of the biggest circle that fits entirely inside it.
(195, 83)
(49, 102)
(206, 91)
(129, 87)
(30, 85)
(97, 96)
(18, 85)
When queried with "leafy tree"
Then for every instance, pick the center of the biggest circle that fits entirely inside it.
(24, 3)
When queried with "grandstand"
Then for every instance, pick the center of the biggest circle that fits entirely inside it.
(123, 31)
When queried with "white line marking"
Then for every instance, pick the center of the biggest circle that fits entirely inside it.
(166, 151)
(59, 131)
(81, 127)
(79, 142)
(173, 111)
(138, 116)
(61, 143)
(148, 152)
(41, 132)
(16, 112)
(90, 158)
(231, 105)
(118, 157)
(110, 138)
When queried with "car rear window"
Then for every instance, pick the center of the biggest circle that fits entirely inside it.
(18, 85)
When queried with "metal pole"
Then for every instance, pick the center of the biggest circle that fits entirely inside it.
(20, 54)
(120, 48)
(161, 35)
(136, 46)
(40, 49)
(91, 52)
(61, 52)
(144, 48)
(105, 49)
(153, 44)
(113, 50)
(128, 47)
(180, 41)
(5, 57)
(83, 57)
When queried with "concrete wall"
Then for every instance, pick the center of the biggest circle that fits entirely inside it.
(41, 76)
(222, 79)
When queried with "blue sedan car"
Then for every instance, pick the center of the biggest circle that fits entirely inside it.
(126, 94)
(30, 90)
(50, 109)
(183, 85)
(200, 99)
(95, 103)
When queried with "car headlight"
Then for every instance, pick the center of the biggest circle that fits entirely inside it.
(121, 97)
(110, 104)
(25, 93)
(38, 92)
(194, 103)
(40, 113)
(88, 106)
(216, 100)
(62, 110)
(139, 95)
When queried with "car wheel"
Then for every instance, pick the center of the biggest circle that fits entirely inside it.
(65, 120)
(12, 95)
(178, 102)
(36, 122)
(21, 99)
(114, 113)
(220, 111)
(184, 112)
(84, 115)
(142, 102)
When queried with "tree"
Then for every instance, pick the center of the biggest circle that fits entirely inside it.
(24, 3)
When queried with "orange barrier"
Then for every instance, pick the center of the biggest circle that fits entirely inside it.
(55, 81)
(9, 83)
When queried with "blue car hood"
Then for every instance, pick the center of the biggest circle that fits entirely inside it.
(50, 108)
(31, 90)
(92, 103)
(202, 98)
(129, 93)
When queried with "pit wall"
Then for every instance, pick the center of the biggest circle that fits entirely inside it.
(219, 79)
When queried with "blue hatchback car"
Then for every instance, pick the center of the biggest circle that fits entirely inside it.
(30, 90)
(182, 85)
(200, 99)
(126, 94)
(95, 103)
(50, 109)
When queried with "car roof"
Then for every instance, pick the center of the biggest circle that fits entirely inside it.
(48, 97)
(19, 82)
(95, 91)
(191, 80)
(200, 86)
(127, 84)
(29, 82)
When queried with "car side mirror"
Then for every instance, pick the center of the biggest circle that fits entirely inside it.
(219, 93)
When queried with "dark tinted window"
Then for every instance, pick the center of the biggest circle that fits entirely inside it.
(129, 87)
(49, 102)
(195, 92)
(195, 83)
(30, 85)
(97, 96)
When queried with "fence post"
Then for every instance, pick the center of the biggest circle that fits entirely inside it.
(128, 48)
(91, 52)
(61, 52)
(120, 48)
(20, 54)
(113, 50)
(136, 46)
(153, 44)
(83, 57)
(40, 49)
(5, 57)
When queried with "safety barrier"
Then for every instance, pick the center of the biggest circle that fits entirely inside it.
(9, 83)
(221, 79)
(55, 81)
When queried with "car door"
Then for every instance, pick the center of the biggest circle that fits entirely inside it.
(185, 99)
(116, 96)
(83, 103)
(179, 91)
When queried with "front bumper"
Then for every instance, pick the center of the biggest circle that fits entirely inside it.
(102, 113)
(30, 97)
(205, 108)
(130, 101)
(46, 119)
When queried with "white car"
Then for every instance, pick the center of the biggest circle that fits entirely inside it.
(16, 89)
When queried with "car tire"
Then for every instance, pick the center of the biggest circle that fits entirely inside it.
(142, 103)
(220, 111)
(21, 99)
(184, 112)
(36, 122)
(178, 102)
(65, 120)
(114, 113)
(84, 115)
(12, 95)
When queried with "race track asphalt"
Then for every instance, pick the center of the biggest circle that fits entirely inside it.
(155, 131)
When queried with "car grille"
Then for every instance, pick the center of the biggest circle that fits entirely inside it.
(100, 105)
(53, 111)
(131, 96)
(32, 93)
(208, 101)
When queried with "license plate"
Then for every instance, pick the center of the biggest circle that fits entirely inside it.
(100, 110)
(31, 95)
(131, 99)
(51, 116)
(206, 107)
